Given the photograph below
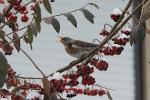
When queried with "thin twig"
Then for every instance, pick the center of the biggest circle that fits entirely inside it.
(71, 11)
(33, 62)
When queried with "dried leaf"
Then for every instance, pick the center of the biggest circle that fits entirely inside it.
(16, 41)
(88, 15)
(55, 24)
(72, 19)
(47, 6)
(3, 69)
(37, 11)
(30, 35)
(46, 86)
(93, 4)
(2, 34)
(34, 29)
(47, 20)
(109, 96)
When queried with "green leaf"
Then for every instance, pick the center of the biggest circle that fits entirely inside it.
(16, 41)
(47, 6)
(109, 96)
(72, 19)
(47, 20)
(34, 29)
(38, 24)
(93, 4)
(141, 33)
(55, 24)
(30, 35)
(88, 15)
(3, 69)
(37, 11)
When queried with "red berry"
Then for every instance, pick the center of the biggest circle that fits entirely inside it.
(104, 32)
(115, 17)
(24, 18)
(102, 65)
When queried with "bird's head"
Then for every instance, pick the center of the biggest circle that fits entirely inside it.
(65, 40)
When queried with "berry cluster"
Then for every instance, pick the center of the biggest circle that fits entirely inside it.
(95, 92)
(19, 8)
(88, 80)
(126, 31)
(6, 48)
(84, 69)
(1, 2)
(28, 86)
(121, 40)
(4, 93)
(112, 50)
(116, 14)
(11, 17)
(90, 92)
(16, 97)
(71, 79)
(58, 85)
(20, 95)
(101, 65)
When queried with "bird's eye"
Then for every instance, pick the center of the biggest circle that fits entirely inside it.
(64, 39)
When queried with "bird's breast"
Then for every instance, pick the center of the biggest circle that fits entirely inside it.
(71, 50)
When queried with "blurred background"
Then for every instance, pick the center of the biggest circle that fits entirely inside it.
(123, 74)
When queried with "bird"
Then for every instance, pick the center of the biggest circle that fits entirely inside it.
(77, 48)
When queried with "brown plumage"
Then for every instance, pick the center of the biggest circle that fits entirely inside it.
(77, 48)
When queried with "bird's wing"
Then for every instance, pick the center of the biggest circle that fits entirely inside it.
(83, 44)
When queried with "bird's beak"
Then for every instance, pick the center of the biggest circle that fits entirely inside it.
(60, 39)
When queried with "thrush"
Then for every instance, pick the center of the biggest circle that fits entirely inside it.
(77, 48)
